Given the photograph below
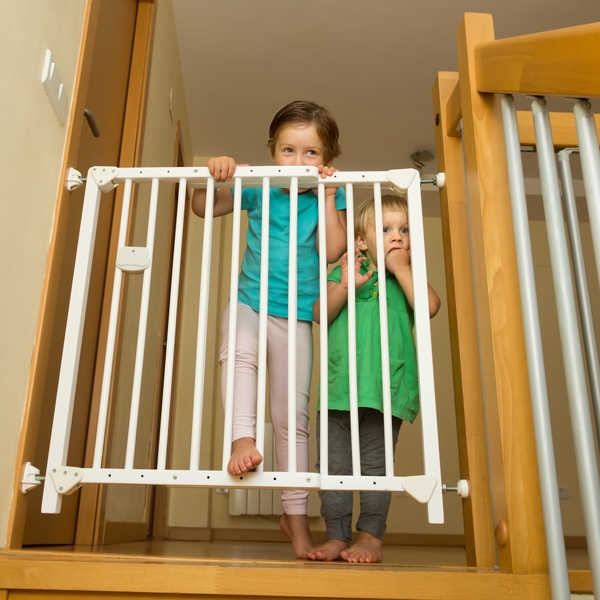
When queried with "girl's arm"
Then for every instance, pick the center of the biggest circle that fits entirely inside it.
(398, 262)
(223, 202)
(337, 296)
(335, 221)
(221, 168)
(335, 230)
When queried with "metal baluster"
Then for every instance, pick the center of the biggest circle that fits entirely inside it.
(583, 437)
(583, 293)
(555, 544)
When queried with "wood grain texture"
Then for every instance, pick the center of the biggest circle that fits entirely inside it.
(564, 62)
(564, 134)
(513, 460)
(287, 579)
(462, 315)
(452, 112)
(89, 527)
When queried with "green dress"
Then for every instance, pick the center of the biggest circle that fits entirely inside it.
(403, 359)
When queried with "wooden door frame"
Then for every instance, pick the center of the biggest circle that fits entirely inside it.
(88, 522)
(51, 292)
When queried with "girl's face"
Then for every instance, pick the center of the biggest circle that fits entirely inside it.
(395, 236)
(298, 145)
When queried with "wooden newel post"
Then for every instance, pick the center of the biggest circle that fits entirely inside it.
(468, 396)
(513, 461)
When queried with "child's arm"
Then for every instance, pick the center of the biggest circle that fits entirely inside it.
(221, 168)
(398, 263)
(337, 293)
(335, 222)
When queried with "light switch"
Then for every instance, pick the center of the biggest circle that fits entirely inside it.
(54, 88)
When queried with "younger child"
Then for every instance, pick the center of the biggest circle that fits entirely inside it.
(301, 134)
(336, 507)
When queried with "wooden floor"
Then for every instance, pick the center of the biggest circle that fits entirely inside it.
(273, 552)
(254, 552)
(227, 570)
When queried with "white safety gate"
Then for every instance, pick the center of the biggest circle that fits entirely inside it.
(64, 479)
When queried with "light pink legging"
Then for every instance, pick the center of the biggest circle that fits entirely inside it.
(295, 502)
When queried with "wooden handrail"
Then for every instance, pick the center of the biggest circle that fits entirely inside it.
(564, 62)
(564, 134)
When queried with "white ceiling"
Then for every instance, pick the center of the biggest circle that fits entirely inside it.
(373, 63)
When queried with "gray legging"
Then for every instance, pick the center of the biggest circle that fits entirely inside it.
(336, 507)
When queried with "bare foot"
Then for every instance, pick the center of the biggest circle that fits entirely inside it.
(244, 456)
(367, 549)
(330, 550)
(296, 528)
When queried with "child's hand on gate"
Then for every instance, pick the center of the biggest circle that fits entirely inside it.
(221, 168)
(359, 279)
(325, 171)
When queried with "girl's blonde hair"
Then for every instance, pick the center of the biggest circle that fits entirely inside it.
(301, 112)
(366, 211)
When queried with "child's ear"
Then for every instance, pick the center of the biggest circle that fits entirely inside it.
(360, 243)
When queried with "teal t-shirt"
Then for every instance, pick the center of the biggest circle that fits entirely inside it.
(403, 358)
(279, 242)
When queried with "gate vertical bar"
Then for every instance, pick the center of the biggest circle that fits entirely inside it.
(262, 324)
(383, 325)
(67, 382)
(323, 329)
(354, 426)
(233, 299)
(112, 333)
(163, 439)
(583, 437)
(431, 451)
(583, 293)
(200, 372)
(292, 325)
(555, 542)
(141, 341)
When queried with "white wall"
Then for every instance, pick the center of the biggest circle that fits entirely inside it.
(31, 150)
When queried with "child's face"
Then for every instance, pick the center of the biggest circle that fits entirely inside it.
(395, 236)
(298, 145)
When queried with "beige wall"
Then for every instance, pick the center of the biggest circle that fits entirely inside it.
(165, 88)
(31, 151)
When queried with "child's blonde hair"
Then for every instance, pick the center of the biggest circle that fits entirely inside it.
(366, 211)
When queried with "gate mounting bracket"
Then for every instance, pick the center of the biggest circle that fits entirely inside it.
(66, 479)
(30, 478)
(104, 176)
(420, 487)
